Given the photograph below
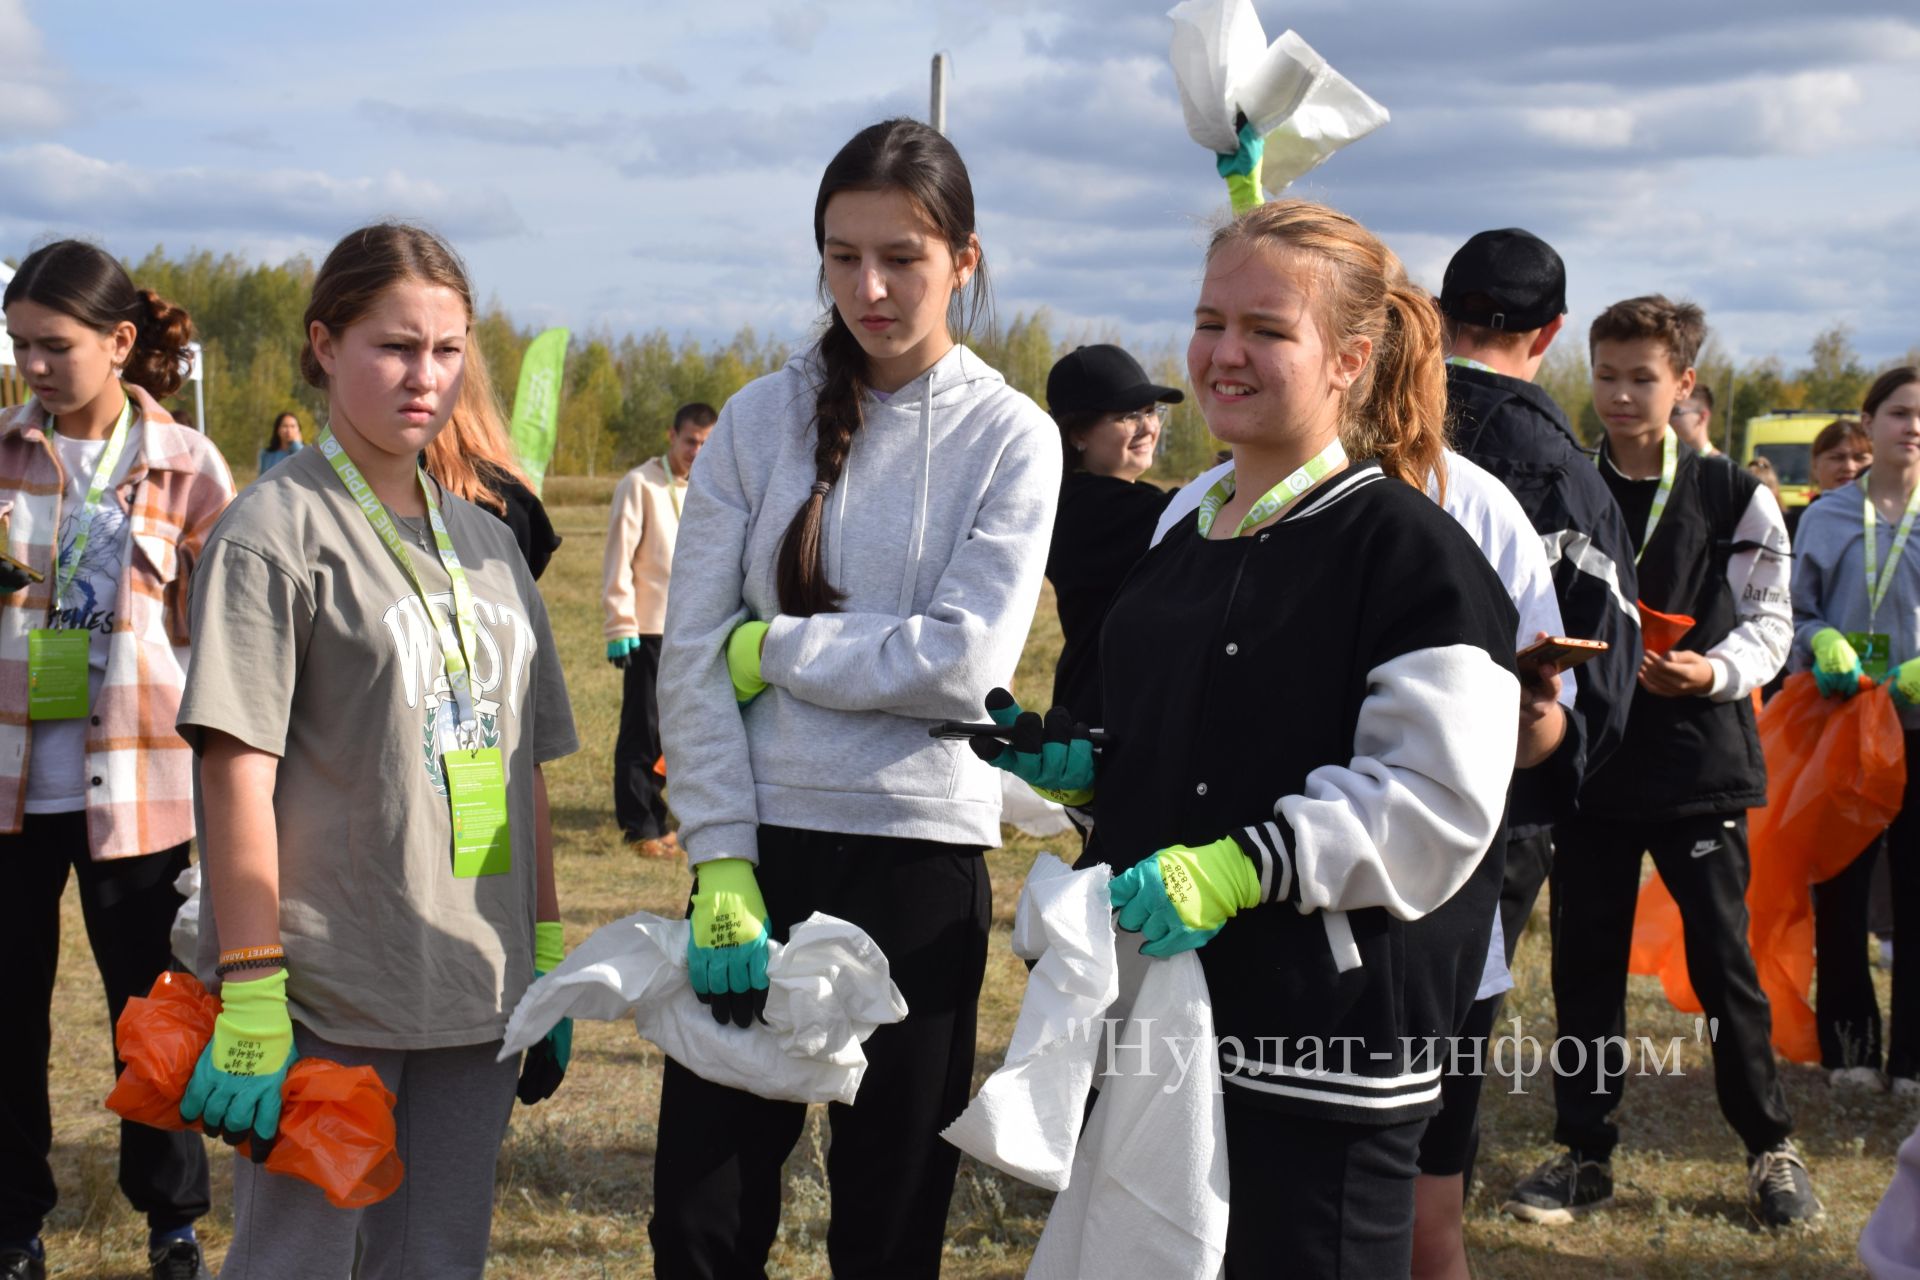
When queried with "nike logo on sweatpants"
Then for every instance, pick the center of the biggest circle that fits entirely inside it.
(1701, 848)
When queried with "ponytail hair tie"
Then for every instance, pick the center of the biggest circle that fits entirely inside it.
(821, 488)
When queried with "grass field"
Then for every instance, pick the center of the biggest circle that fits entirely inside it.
(575, 1179)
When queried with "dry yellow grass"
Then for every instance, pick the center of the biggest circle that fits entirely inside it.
(576, 1175)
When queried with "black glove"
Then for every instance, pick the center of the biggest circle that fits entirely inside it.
(541, 1072)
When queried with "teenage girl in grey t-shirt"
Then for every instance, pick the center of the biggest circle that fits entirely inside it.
(367, 670)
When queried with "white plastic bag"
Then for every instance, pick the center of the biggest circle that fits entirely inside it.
(827, 990)
(1224, 66)
(1021, 809)
(185, 938)
(1026, 1118)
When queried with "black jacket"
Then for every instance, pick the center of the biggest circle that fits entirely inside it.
(1336, 693)
(1719, 556)
(1102, 529)
(1516, 431)
(526, 516)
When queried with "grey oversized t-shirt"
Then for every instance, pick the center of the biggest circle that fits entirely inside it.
(310, 643)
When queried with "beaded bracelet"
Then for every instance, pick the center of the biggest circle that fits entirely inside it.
(226, 967)
(273, 950)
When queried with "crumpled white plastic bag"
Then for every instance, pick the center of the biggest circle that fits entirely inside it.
(185, 938)
(827, 990)
(1026, 1118)
(1021, 809)
(1304, 109)
(1148, 1193)
(1143, 1187)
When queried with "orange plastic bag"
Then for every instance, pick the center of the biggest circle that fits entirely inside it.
(1836, 772)
(336, 1122)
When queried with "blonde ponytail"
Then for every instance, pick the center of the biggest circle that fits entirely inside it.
(1396, 410)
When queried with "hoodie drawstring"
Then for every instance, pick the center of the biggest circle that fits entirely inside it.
(917, 539)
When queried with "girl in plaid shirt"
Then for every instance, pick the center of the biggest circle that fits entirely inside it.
(104, 509)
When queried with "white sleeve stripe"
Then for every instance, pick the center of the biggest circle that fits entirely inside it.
(1571, 544)
(1286, 863)
(1266, 865)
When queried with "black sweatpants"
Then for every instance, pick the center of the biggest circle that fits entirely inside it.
(1322, 1198)
(717, 1169)
(639, 799)
(1452, 1139)
(1596, 883)
(128, 905)
(1845, 1005)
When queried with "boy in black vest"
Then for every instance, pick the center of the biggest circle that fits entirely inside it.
(1713, 557)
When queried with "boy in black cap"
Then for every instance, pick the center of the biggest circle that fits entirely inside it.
(1503, 302)
(1110, 417)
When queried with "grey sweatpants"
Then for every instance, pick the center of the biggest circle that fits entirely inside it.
(450, 1117)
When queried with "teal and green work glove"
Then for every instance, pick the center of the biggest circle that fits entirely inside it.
(235, 1090)
(1836, 667)
(1180, 897)
(618, 651)
(743, 661)
(1054, 756)
(1242, 169)
(545, 1065)
(1905, 680)
(727, 946)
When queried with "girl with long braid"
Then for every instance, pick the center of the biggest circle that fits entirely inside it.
(860, 556)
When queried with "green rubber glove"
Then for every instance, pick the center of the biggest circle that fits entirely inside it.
(727, 946)
(1180, 897)
(1905, 680)
(545, 1065)
(618, 651)
(1053, 756)
(1242, 169)
(1836, 667)
(235, 1090)
(743, 661)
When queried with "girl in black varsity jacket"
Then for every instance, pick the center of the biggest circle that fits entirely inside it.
(1311, 702)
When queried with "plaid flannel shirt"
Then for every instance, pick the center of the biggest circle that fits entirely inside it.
(140, 771)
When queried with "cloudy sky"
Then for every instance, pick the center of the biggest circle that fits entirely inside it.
(652, 164)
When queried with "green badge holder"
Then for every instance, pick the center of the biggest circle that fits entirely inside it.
(57, 674)
(477, 792)
(1872, 647)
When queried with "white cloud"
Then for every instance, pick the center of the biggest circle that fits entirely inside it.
(52, 184)
(1589, 128)
(29, 99)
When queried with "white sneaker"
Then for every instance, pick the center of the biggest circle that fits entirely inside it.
(1860, 1079)
(1906, 1089)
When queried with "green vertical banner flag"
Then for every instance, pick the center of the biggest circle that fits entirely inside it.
(536, 404)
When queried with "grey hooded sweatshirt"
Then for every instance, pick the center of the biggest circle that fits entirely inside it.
(937, 531)
(1830, 581)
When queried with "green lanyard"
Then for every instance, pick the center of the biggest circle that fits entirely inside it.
(1276, 499)
(674, 485)
(457, 642)
(83, 524)
(1669, 464)
(1878, 583)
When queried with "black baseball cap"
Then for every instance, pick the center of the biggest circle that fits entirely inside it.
(1103, 379)
(1508, 279)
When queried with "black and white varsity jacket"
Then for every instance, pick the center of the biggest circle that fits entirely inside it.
(1720, 557)
(1337, 692)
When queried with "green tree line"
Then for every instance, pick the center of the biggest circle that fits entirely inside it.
(620, 392)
